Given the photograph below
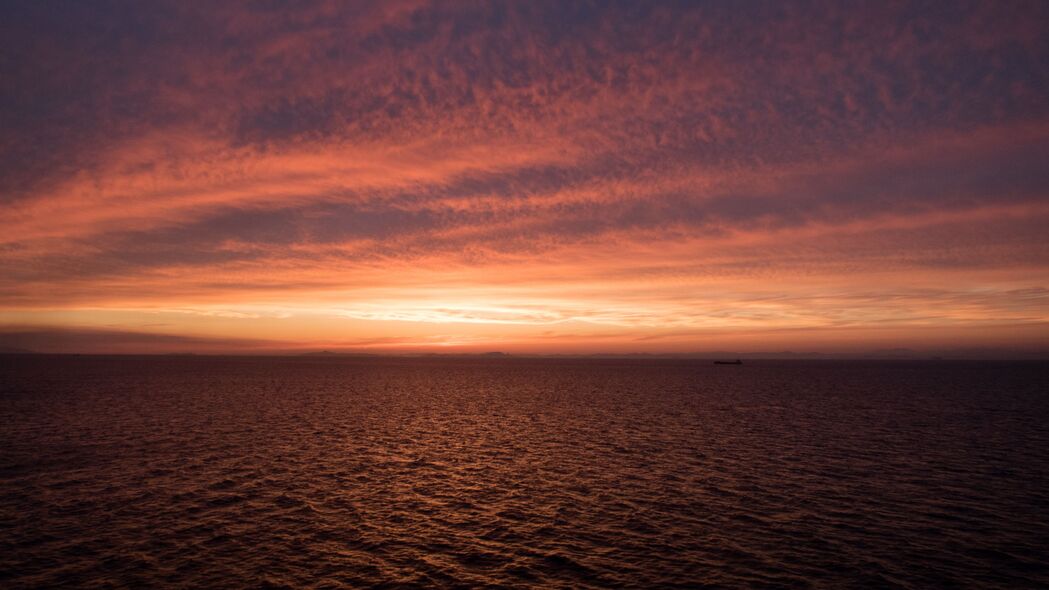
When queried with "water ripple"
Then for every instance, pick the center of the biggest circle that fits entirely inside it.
(290, 473)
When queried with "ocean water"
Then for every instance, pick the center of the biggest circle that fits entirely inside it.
(383, 472)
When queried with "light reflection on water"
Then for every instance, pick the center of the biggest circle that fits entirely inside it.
(359, 472)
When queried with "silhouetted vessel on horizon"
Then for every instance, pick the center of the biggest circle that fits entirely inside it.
(735, 362)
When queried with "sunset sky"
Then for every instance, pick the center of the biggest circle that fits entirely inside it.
(544, 177)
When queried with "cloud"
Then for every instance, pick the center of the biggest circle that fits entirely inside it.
(82, 340)
(174, 155)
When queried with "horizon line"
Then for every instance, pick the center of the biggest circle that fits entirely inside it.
(892, 354)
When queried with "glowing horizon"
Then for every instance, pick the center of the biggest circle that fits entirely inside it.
(531, 177)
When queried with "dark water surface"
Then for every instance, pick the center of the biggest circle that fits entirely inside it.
(330, 472)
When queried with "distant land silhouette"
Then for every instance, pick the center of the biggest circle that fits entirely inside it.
(876, 354)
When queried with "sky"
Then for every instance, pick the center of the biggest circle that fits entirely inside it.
(527, 177)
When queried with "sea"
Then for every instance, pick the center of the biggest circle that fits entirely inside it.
(443, 472)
